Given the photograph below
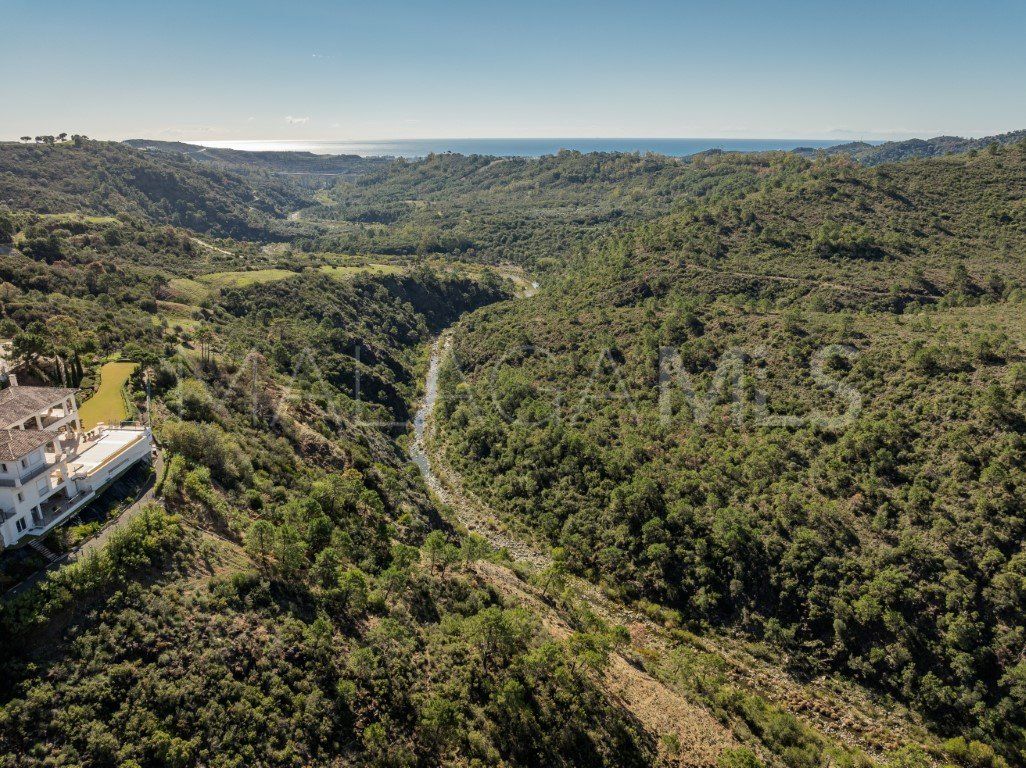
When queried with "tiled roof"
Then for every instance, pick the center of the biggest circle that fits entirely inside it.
(15, 443)
(19, 403)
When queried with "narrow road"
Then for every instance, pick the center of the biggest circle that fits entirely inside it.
(148, 494)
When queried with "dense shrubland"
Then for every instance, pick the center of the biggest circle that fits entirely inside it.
(107, 178)
(889, 549)
(523, 210)
(334, 639)
(299, 600)
(321, 621)
(293, 604)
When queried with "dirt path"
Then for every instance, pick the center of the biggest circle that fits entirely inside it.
(211, 246)
(697, 738)
(98, 541)
(148, 494)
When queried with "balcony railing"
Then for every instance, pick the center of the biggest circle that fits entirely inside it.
(33, 472)
(54, 510)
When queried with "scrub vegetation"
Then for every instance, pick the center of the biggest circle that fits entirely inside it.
(755, 451)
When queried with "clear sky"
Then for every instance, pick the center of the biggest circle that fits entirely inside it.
(255, 69)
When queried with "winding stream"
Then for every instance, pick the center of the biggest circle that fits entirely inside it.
(661, 707)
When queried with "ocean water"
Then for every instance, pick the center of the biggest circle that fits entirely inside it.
(411, 148)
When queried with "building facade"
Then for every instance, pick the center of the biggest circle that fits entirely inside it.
(49, 466)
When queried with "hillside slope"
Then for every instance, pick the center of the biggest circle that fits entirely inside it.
(828, 452)
(897, 151)
(288, 163)
(108, 178)
(294, 597)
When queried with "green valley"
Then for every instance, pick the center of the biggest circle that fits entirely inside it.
(718, 460)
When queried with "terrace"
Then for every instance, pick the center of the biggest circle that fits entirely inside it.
(56, 510)
(101, 448)
(35, 408)
(93, 461)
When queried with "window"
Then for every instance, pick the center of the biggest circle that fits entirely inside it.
(42, 486)
(3, 467)
(20, 497)
(21, 525)
(24, 463)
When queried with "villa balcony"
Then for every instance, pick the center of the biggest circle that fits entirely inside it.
(82, 467)
(29, 474)
(53, 418)
(56, 417)
(56, 510)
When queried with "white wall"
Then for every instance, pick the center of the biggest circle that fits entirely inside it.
(30, 493)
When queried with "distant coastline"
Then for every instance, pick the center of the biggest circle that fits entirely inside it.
(413, 148)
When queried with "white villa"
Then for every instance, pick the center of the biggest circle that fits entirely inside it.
(49, 467)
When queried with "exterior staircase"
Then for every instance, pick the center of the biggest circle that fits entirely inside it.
(43, 550)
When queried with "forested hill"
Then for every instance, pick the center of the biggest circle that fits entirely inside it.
(787, 576)
(881, 537)
(530, 211)
(896, 151)
(292, 598)
(108, 178)
(289, 163)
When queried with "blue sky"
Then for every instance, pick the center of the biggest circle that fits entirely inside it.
(394, 69)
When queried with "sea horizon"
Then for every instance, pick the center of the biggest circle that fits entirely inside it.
(533, 147)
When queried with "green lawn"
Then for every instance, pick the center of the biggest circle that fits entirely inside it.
(347, 272)
(242, 279)
(107, 405)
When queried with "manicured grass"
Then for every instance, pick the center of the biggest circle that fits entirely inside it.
(242, 279)
(107, 404)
